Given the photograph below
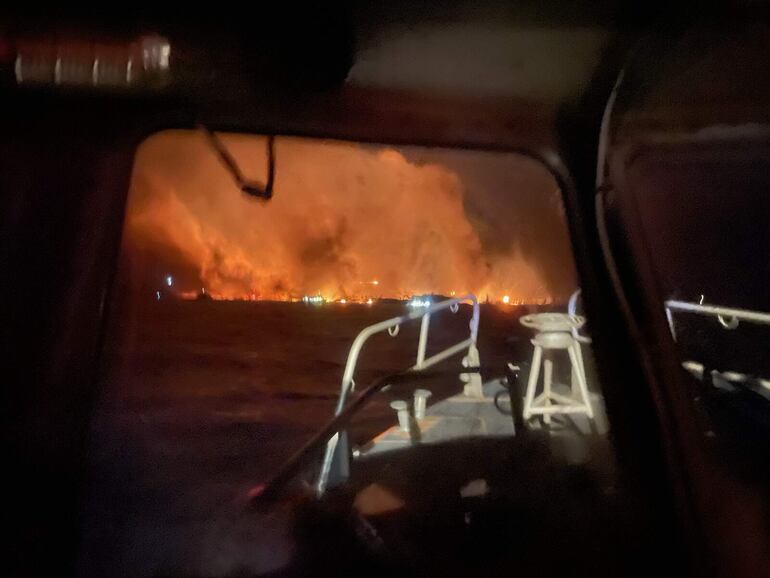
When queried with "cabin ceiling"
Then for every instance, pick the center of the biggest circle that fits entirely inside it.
(480, 60)
(488, 73)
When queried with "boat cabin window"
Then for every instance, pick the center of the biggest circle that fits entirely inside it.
(703, 204)
(240, 327)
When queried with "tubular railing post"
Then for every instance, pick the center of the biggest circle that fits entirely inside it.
(474, 325)
(423, 344)
(326, 464)
(670, 319)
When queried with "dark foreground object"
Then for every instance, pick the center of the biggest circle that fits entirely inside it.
(539, 516)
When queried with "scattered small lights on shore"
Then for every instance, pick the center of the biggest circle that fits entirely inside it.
(315, 299)
(413, 302)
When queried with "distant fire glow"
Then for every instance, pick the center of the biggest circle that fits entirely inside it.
(348, 224)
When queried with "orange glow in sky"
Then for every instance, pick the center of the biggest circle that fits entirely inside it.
(347, 222)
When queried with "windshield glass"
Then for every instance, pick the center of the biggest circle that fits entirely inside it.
(232, 345)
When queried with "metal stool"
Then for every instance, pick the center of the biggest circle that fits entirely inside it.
(549, 402)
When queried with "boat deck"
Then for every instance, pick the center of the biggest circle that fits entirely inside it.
(461, 416)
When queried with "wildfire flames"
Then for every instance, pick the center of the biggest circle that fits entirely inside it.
(348, 222)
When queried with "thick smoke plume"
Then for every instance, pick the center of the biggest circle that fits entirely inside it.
(343, 216)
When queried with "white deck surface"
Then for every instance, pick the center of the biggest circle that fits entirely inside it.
(460, 416)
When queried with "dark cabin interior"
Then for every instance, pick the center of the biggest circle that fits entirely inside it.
(525, 77)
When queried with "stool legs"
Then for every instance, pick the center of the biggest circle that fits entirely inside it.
(547, 380)
(576, 358)
(534, 374)
(582, 368)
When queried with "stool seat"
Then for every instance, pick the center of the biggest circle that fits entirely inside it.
(553, 340)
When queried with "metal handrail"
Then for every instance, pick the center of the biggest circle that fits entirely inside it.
(728, 317)
(395, 322)
(421, 362)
